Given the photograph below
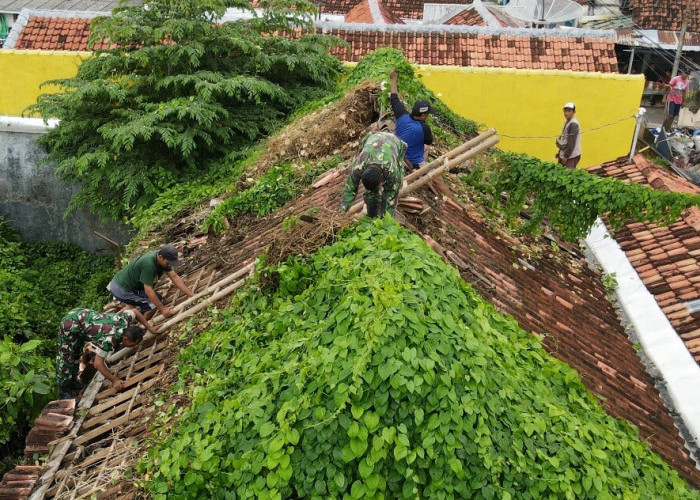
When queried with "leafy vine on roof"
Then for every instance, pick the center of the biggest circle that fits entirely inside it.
(570, 200)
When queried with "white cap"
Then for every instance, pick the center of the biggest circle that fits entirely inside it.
(570, 105)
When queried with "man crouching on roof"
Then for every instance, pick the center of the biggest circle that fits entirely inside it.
(380, 168)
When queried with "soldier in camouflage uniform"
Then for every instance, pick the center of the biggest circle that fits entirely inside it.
(106, 331)
(380, 168)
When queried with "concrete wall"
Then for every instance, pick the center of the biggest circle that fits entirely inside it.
(34, 202)
(525, 107)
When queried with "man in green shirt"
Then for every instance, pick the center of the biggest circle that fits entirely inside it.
(134, 284)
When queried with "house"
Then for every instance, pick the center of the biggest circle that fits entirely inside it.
(10, 10)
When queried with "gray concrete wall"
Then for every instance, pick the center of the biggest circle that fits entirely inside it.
(34, 202)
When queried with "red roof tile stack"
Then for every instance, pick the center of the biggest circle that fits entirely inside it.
(55, 421)
(666, 258)
(18, 483)
(665, 14)
(362, 13)
(468, 17)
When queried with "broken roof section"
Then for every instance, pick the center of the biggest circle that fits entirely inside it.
(666, 258)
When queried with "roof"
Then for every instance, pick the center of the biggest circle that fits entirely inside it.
(56, 33)
(468, 17)
(372, 12)
(441, 45)
(480, 47)
(657, 39)
(665, 14)
(666, 258)
(16, 6)
(405, 9)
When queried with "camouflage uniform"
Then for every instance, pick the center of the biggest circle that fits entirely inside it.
(79, 326)
(386, 151)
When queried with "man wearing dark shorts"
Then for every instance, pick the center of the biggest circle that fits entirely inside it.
(134, 284)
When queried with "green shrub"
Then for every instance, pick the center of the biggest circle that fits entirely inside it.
(374, 370)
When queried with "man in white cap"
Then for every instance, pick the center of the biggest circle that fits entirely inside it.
(569, 142)
(134, 284)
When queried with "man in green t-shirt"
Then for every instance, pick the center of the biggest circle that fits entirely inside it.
(134, 284)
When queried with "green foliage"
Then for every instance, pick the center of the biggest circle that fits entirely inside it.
(571, 200)
(175, 92)
(279, 185)
(26, 379)
(375, 371)
(610, 283)
(39, 283)
(377, 66)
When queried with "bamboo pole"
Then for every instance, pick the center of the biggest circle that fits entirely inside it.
(182, 315)
(60, 451)
(210, 289)
(450, 154)
(217, 296)
(452, 163)
(418, 178)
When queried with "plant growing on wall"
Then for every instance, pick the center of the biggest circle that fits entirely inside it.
(176, 90)
(374, 371)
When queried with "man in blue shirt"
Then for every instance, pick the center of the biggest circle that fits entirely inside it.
(412, 128)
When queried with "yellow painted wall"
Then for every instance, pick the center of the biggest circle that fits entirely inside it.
(23, 71)
(515, 102)
(529, 103)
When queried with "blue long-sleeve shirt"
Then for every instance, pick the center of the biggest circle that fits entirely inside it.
(416, 134)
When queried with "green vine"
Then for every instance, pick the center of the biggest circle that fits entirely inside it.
(570, 200)
(279, 185)
(374, 371)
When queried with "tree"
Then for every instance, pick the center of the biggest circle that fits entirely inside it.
(176, 90)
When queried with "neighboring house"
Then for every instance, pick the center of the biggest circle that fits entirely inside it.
(666, 258)
(665, 14)
(654, 36)
(588, 51)
(372, 12)
(10, 9)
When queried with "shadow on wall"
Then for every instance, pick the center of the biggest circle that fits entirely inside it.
(33, 201)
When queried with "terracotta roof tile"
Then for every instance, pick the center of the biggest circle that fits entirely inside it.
(665, 15)
(364, 12)
(56, 33)
(498, 50)
(468, 17)
(665, 257)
